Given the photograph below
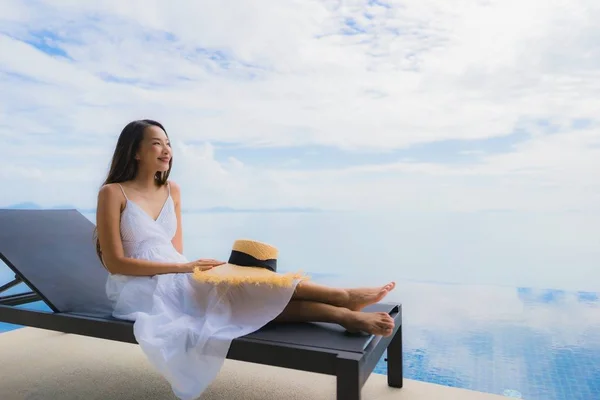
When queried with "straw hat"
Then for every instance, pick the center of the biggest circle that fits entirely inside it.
(250, 262)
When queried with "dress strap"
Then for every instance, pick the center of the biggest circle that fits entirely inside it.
(123, 191)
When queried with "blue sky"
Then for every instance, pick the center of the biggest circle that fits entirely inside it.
(314, 157)
(358, 104)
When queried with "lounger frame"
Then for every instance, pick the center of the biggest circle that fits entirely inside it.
(350, 368)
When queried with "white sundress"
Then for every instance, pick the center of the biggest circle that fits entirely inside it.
(183, 327)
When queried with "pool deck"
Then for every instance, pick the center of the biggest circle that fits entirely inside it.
(39, 364)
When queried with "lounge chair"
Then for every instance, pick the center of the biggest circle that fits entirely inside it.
(52, 252)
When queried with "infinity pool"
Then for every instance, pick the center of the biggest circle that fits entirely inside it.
(517, 342)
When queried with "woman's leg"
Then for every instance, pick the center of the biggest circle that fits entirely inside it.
(376, 323)
(354, 299)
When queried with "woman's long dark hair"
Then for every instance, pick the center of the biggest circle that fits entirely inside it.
(124, 166)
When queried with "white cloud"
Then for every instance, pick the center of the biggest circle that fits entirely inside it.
(412, 72)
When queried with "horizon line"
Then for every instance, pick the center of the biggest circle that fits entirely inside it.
(214, 209)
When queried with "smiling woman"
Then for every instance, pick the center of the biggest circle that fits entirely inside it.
(182, 322)
(142, 150)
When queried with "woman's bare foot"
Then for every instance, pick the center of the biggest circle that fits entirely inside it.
(361, 297)
(374, 323)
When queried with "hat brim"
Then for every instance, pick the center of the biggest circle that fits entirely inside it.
(230, 274)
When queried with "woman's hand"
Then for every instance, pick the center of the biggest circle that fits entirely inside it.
(203, 264)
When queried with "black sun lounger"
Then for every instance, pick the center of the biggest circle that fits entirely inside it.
(52, 252)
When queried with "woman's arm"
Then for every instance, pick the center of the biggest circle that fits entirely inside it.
(178, 238)
(108, 217)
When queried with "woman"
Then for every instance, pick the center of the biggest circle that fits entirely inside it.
(184, 327)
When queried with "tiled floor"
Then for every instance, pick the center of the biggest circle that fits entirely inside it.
(44, 365)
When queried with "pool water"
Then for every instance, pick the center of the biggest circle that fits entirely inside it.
(517, 342)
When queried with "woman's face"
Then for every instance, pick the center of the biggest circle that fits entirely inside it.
(155, 150)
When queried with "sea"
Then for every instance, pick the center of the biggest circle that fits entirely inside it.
(500, 302)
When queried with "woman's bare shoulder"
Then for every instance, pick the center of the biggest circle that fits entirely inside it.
(175, 188)
(109, 190)
(111, 194)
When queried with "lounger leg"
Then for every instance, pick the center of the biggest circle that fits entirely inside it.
(394, 361)
(348, 380)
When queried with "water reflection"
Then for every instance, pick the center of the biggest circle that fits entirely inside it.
(543, 344)
(534, 343)
(528, 343)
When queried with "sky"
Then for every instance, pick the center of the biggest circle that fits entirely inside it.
(390, 105)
